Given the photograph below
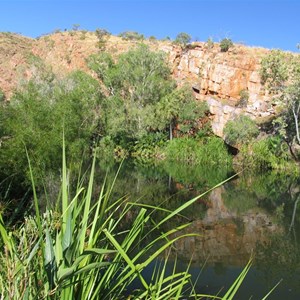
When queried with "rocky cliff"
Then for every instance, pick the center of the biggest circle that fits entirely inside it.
(216, 77)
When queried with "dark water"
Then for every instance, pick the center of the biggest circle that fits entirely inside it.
(249, 215)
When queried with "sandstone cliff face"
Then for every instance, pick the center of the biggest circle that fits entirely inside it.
(219, 78)
(215, 76)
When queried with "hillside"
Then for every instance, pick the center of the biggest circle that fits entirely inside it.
(215, 76)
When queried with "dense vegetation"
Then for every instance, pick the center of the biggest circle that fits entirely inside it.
(135, 111)
(280, 73)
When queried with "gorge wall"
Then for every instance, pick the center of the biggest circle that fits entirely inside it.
(216, 77)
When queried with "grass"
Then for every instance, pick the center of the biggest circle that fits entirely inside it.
(84, 252)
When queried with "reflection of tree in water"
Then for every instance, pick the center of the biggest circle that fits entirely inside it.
(279, 258)
(152, 184)
(268, 190)
(198, 177)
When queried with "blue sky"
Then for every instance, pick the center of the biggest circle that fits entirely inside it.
(266, 23)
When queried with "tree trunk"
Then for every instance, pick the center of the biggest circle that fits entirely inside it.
(296, 114)
(171, 131)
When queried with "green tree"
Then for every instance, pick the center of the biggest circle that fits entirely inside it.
(274, 70)
(209, 43)
(180, 109)
(183, 38)
(240, 130)
(131, 36)
(225, 44)
(36, 117)
(280, 72)
(292, 99)
(138, 81)
(102, 35)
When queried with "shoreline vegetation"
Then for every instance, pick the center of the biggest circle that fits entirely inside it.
(81, 250)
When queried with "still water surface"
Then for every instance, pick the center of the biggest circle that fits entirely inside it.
(248, 215)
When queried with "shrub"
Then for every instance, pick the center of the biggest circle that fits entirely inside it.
(209, 43)
(75, 27)
(210, 151)
(106, 148)
(240, 130)
(266, 154)
(183, 38)
(2, 96)
(131, 36)
(225, 44)
(102, 34)
(167, 38)
(244, 97)
(152, 38)
(150, 145)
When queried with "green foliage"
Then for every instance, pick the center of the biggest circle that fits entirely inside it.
(35, 118)
(152, 38)
(180, 109)
(209, 43)
(131, 36)
(280, 72)
(225, 44)
(41, 72)
(102, 35)
(149, 146)
(167, 38)
(274, 70)
(240, 130)
(101, 64)
(183, 39)
(136, 83)
(208, 151)
(266, 154)
(244, 97)
(292, 100)
(2, 96)
(142, 96)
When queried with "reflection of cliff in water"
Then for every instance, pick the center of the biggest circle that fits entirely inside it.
(225, 235)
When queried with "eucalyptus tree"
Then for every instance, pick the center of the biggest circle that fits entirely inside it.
(280, 72)
(137, 82)
(179, 109)
(36, 117)
(183, 38)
